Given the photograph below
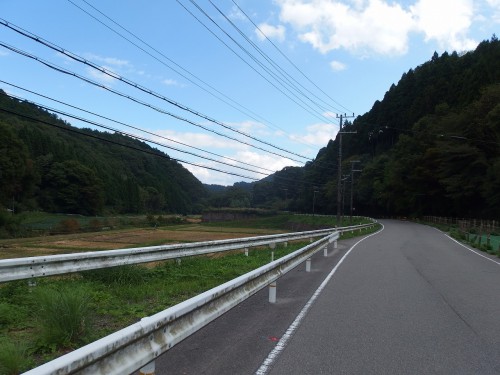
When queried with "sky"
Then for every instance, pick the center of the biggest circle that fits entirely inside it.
(257, 85)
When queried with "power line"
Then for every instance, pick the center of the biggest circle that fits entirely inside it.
(246, 111)
(82, 60)
(133, 127)
(287, 78)
(132, 136)
(289, 60)
(129, 134)
(246, 62)
(68, 72)
(119, 144)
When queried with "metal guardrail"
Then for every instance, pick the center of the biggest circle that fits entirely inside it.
(131, 348)
(40, 266)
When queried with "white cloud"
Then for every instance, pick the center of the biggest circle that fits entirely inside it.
(252, 128)
(170, 82)
(3, 53)
(317, 134)
(100, 76)
(272, 32)
(446, 21)
(337, 66)
(113, 61)
(328, 25)
(383, 27)
(199, 140)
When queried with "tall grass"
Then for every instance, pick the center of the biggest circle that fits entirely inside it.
(63, 316)
(13, 358)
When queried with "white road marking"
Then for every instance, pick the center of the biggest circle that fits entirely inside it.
(280, 346)
(471, 250)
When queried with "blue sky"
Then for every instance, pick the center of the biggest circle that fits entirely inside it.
(348, 53)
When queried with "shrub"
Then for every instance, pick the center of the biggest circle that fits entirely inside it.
(68, 226)
(63, 315)
(13, 358)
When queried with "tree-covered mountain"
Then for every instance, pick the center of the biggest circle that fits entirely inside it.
(431, 146)
(47, 164)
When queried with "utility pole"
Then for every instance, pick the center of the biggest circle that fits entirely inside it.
(339, 174)
(352, 182)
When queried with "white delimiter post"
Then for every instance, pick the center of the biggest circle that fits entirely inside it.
(335, 244)
(325, 251)
(308, 265)
(149, 369)
(246, 251)
(272, 292)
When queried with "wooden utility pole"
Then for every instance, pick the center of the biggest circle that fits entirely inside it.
(339, 173)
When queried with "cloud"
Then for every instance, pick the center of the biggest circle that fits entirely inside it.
(445, 21)
(200, 140)
(317, 134)
(366, 27)
(337, 66)
(100, 76)
(252, 128)
(113, 61)
(272, 32)
(170, 82)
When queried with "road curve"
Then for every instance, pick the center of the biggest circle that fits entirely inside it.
(408, 300)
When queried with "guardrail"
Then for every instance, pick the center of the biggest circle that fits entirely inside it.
(131, 348)
(41, 266)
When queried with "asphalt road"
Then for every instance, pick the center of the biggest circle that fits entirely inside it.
(407, 300)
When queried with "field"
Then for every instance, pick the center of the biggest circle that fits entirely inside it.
(43, 319)
(125, 238)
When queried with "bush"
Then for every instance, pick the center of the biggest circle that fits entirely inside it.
(68, 226)
(64, 316)
(13, 358)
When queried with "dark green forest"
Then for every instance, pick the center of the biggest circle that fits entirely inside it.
(431, 146)
(48, 165)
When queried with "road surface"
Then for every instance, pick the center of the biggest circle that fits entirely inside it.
(408, 300)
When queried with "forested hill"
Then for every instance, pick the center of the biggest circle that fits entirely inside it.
(59, 168)
(431, 146)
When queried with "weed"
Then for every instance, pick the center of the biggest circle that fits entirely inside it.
(122, 275)
(63, 315)
(13, 358)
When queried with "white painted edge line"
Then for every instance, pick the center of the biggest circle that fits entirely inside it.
(467, 247)
(471, 250)
(280, 346)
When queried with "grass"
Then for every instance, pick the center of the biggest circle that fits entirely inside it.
(61, 313)
(53, 316)
(472, 239)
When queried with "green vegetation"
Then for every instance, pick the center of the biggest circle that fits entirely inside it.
(60, 169)
(430, 147)
(54, 316)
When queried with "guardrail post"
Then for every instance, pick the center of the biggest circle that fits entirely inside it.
(308, 265)
(285, 244)
(272, 256)
(335, 245)
(246, 251)
(149, 369)
(311, 240)
(178, 261)
(325, 251)
(272, 292)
